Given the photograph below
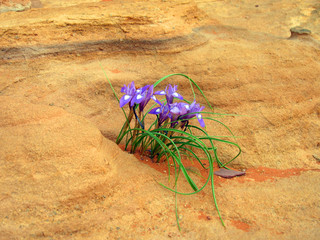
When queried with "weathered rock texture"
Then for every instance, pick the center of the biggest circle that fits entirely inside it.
(63, 177)
(48, 157)
(14, 5)
(103, 27)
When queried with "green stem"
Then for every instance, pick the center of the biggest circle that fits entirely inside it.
(134, 136)
(125, 126)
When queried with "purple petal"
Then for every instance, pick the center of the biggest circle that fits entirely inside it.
(138, 98)
(226, 173)
(124, 89)
(125, 99)
(171, 89)
(132, 85)
(183, 108)
(145, 88)
(200, 119)
(175, 88)
(177, 95)
(175, 110)
(156, 100)
(155, 110)
(192, 104)
(160, 92)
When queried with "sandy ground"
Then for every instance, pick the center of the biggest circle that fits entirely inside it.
(63, 177)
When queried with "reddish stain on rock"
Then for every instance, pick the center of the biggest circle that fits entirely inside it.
(241, 225)
(115, 71)
(262, 174)
(259, 174)
(203, 216)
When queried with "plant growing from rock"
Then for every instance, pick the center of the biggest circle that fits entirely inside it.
(174, 133)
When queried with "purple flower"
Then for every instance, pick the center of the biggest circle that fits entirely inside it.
(177, 110)
(130, 92)
(196, 109)
(170, 93)
(147, 94)
(162, 112)
(132, 95)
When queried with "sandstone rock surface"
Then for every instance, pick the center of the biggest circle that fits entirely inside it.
(63, 177)
(48, 157)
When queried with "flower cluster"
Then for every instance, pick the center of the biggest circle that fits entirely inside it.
(170, 137)
(134, 96)
(175, 111)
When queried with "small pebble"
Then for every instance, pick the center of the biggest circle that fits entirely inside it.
(299, 32)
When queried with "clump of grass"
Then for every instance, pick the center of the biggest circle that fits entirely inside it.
(172, 135)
